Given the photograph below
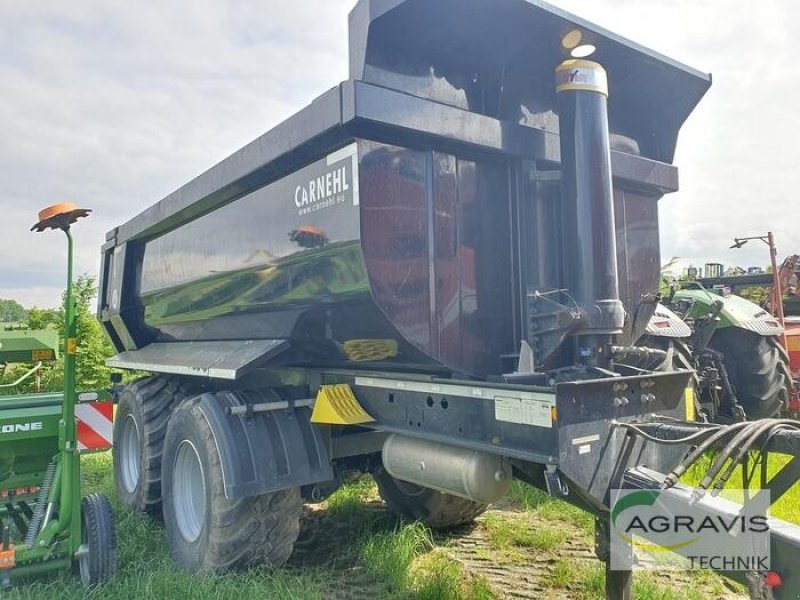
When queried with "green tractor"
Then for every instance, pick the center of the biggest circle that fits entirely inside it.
(45, 525)
(733, 345)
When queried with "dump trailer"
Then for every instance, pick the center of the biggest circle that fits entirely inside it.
(435, 273)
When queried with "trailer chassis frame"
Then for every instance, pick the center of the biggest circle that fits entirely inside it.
(583, 453)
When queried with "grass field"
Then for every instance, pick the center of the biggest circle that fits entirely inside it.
(351, 547)
(786, 508)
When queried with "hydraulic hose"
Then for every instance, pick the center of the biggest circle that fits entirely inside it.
(726, 453)
(665, 441)
(695, 454)
(743, 440)
(771, 430)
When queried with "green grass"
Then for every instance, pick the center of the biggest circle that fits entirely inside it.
(146, 570)
(410, 563)
(398, 559)
(507, 534)
(389, 555)
(585, 580)
(347, 503)
(437, 577)
(532, 499)
(786, 508)
(374, 553)
(562, 573)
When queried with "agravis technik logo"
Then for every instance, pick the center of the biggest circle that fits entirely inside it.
(670, 529)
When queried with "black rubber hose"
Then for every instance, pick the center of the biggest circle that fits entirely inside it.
(727, 451)
(746, 447)
(667, 419)
(668, 442)
(671, 479)
(747, 436)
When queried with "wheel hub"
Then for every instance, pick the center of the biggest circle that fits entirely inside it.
(131, 458)
(189, 492)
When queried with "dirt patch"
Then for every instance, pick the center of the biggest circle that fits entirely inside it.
(569, 571)
(519, 572)
(328, 543)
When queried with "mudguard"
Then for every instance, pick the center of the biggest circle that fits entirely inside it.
(665, 323)
(264, 451)
(736, 311)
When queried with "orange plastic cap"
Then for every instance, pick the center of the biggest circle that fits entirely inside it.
(59, 216)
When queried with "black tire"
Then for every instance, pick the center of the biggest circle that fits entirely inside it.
(144, 408)
(757, 370)
(97, 560)
(206, 531)
(432, 507)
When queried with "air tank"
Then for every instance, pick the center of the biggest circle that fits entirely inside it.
(462, 472)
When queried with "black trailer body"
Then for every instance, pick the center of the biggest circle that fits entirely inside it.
(429, 184)
(423, 268)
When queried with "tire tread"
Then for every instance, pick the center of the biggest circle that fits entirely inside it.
(432, 507)
(101, 536)
(757, 370)
(257, 530)
(157, 396)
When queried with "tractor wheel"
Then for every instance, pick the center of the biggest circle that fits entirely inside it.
(97, 557)
(434, 508)
(139, 427)
(206, 531)
(757, 369)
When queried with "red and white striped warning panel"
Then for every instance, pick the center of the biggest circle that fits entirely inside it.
(95, 425)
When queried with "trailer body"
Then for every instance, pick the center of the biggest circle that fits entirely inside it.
(431, 198)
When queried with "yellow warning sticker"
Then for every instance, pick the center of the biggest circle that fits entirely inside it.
(688, 397)
(72, 346)
(337, 405)
(42, 355)
(370, 350)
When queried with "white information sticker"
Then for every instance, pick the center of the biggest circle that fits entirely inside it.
(524, 411)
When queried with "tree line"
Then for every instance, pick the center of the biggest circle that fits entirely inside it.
(12, 311)
(93, 345)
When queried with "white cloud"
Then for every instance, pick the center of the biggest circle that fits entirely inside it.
(115, 104)
(737, 154)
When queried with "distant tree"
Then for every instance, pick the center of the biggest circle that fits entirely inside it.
(756, 294)
(668, 278)
(45, 318)
(93, 345)
(12, 311)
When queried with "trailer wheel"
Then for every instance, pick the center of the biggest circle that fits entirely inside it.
(139, 427)
(757, 370)
(97, 556)
(434, 508)
(206, 531)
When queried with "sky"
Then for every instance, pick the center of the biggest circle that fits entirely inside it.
(113, 104)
